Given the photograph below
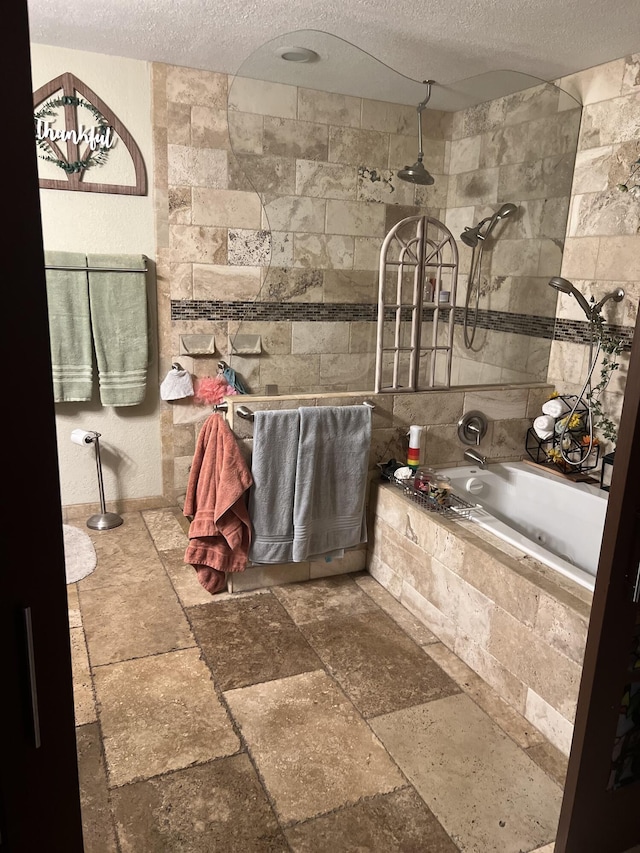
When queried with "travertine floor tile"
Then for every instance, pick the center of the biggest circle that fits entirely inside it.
(376, 664)
(184, 579)
(485, 791)
(83, 702)
(160, 713)
(97, 823)
(217, 806)
(133, 620)
(398, 822)
(313, 751)
(250, 640)
(125, 555)
(510, 721)
(165, 529)
(323, 599)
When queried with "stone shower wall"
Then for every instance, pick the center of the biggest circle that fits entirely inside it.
(269, 219)
(323, 217)
(602, 250)
(517, 149)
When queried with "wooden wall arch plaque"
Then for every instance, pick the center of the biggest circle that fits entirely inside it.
(71, 88)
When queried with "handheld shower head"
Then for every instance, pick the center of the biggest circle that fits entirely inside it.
(505, 210)
(565, 286)
(561, 284)
(470, 236)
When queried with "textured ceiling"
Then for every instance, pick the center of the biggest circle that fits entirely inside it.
(446, 40)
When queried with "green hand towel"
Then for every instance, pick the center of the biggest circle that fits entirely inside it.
(118, 302)
(69, 327)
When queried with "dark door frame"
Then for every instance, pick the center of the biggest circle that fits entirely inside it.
(39, 793)
(594, 819)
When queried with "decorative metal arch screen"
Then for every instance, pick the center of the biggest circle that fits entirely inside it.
(416, 305)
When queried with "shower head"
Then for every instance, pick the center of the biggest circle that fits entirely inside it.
(565, 286)
(561, 284)
(417, 174)
(470, 236)
(505, 210)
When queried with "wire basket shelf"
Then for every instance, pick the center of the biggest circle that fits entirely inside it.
(455, 508)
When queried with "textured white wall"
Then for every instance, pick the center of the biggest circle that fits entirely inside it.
(105, 223)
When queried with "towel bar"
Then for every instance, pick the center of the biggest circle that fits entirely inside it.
(100, 269)
(247, 414)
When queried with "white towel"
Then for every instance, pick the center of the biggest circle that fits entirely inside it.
(176, 385)
(273, 468)
(544, 427)
(555, 407)
(331, 480)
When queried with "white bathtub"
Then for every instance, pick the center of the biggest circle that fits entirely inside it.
(558, 522)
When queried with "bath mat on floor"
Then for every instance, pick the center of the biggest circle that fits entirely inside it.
(79, 554)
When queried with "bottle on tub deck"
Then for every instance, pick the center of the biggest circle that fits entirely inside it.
(424, 480)
(415, 442)
(435, 486)
(441, 490)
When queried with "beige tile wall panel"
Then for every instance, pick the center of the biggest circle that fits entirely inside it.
(325, 180)
(262, 98)
(225, 208)
(360, 219)
(197, 167)
(328, 108)
(194, 87)
(224, 282)
(295, 213)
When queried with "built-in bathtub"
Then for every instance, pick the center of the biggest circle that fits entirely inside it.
(558, 522)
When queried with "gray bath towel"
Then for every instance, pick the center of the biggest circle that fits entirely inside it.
(69, 327)
(120, 328)
(273, 468)
(331, 480)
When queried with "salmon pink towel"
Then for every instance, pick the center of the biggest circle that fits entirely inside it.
(216, 500)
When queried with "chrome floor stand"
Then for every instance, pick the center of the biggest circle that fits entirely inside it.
(103, 520)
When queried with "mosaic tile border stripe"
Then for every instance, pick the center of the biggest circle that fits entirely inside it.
(550, 328)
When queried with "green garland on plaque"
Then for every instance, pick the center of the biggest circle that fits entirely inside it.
(98, 143)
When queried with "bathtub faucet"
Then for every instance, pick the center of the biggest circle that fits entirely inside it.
(476, 458)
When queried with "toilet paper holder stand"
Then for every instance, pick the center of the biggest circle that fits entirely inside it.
(103, 520)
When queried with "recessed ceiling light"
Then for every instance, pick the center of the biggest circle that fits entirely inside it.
(297, 54)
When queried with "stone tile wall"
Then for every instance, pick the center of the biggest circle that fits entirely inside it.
(602, 250)
(270, 201)
(487, 602)
(284, 199)
(517, 149)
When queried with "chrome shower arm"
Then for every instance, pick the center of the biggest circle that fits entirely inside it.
(422, 105)
(617, 295)
(420, 109)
